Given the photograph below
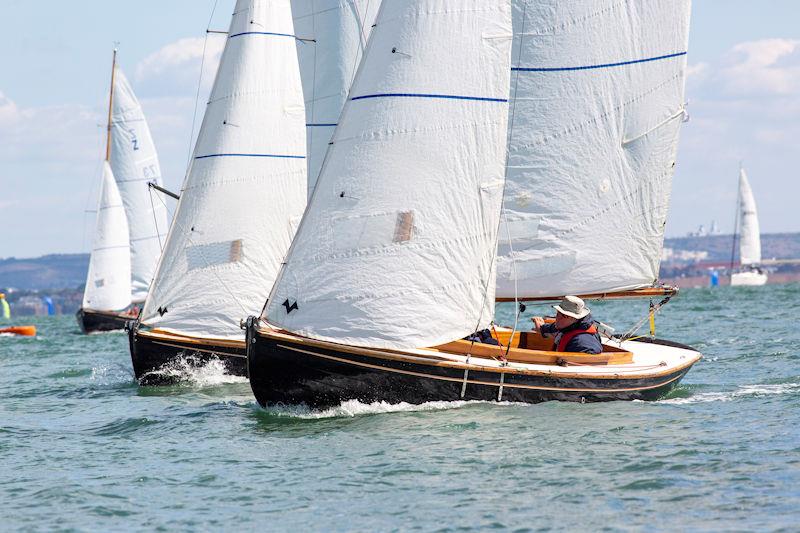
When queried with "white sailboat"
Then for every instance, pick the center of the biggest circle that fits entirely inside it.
(749, 238)
(131, 163)
(393, 263)
(135, 164)
(239, 205)
(108, 282)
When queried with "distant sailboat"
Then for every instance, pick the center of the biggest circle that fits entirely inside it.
(129, 226)
(749, 237)
(393, 263)
(240, 203)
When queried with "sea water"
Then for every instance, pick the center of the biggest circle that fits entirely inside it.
(83, 447)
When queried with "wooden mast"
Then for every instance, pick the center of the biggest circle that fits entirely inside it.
(110, 102)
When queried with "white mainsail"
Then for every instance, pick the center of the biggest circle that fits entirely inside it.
(135, 163)
(108, 282)
(397, 246)
(599, 102)
(750, 238)
(246, 188)
(331, 38)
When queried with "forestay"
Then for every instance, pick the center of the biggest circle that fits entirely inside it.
(246, 189)
(135, 163)
(397, 246)
(108, 282)
(331, 38)
(599, 102)
(750, 238)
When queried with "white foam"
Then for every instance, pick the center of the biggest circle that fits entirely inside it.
(742, 391)
(353, 408)
(206, 374)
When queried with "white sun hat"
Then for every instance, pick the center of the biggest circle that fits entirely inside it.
(572, 306)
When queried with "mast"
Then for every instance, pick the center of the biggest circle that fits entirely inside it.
(110, 102)
(736, 223)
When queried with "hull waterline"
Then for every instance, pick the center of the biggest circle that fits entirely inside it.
(156, 355)
(293, 370)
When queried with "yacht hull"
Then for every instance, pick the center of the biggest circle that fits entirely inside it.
(91, 321)
(291, 370)
(154, 354)
(753, 279)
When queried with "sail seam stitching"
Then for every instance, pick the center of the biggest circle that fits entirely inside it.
(434, 96)
(280, 156)
(592, 67)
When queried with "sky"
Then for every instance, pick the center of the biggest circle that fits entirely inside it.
(743, 92)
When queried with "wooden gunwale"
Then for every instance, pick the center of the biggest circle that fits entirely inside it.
(434, 360)
(160, 336)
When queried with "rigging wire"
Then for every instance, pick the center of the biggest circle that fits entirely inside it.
(502, 207)
(200, 84)
(735, 227)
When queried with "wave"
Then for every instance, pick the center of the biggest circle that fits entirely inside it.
(192, 371)
(353, 408)
(742, 391)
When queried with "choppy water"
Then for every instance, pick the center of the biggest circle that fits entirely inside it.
(83, 447)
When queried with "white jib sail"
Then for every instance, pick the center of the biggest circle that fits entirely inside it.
(135, 163)
(599, 105)
(397, 246)
(108, 283)
(246, 189)
(750, 238)
(331, 35)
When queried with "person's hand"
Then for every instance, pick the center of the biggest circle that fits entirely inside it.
(538, 322)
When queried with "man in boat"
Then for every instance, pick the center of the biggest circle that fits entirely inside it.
(573, 329)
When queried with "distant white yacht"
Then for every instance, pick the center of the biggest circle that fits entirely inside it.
(749, 238)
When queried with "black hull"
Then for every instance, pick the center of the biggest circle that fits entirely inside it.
(93, 321)
(152, 356)
(284, 372)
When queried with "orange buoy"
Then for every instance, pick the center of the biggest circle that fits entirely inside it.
(27, 331)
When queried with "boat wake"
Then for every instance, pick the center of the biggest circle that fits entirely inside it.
(354, 408)
(741, 392)
(193, 371)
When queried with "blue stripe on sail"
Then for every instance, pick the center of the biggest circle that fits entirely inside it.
(260, 33)
(418, 95)
(591, 67)
(252, 155)
(319, 125)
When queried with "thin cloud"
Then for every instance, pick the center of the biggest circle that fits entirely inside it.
(174, 69)
(768, 66)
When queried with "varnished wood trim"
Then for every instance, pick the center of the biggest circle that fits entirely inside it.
(476, 382)
(543, 357)
(161, 335)
(647, 292)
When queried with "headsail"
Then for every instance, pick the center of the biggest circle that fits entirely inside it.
(108, 282)
(331, 38)
(135, 162)
(397, 246)
(599, 103)
(246, 188)
(750, 239)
